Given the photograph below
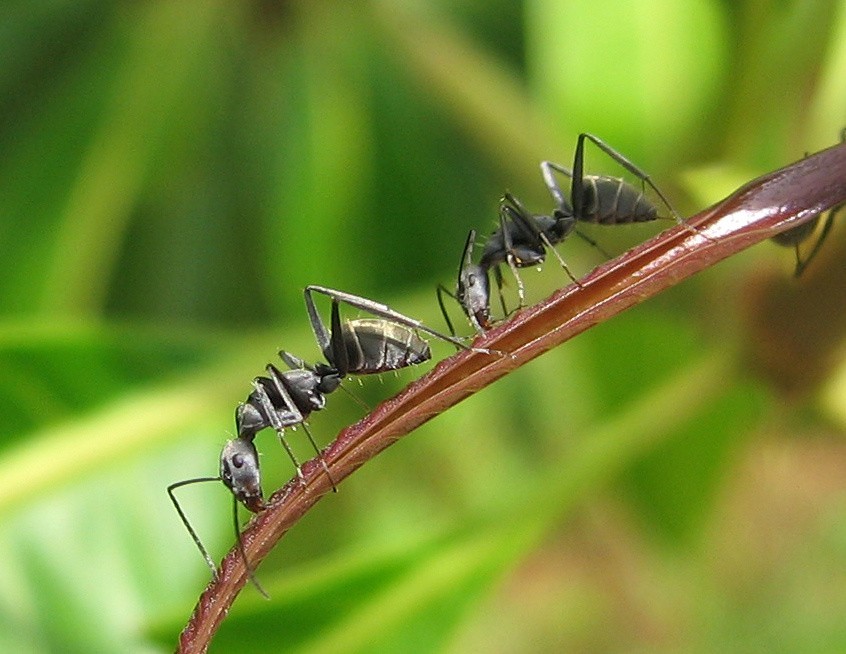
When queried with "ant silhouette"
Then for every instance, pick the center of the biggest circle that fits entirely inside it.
(523, 238)
(360, 346)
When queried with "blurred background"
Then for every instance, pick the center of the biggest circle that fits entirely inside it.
(172, 174)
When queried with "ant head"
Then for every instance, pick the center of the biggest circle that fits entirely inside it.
(239, 471)
(473, 293)
(472, 289)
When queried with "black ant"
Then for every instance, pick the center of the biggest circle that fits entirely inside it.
(795, 236)
(523, 238)
(360, 346)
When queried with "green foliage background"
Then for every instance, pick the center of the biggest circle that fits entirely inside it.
(173, 173)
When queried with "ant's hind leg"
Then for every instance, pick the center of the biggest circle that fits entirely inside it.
(801, 264)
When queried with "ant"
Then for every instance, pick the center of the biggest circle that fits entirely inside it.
(523, 238)
(360, 346)
(795, 236)
(519, 242)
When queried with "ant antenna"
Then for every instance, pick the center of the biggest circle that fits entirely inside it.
(199, 543)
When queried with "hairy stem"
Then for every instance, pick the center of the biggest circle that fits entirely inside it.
(757, 211)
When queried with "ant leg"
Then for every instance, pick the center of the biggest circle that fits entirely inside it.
(829, 221)
(441, 291)
(529, 227)
(250, 574)
(521, 294)
(320, 456)
(293, 416)
(340, 357)
(560, 260)
(548, 170)
(576, 192)
(356, 399)
(196, 538)
(321, 334)
(187, 524)
(526, 225)
(294, 362)
(510, 259)
(499, 284)
(801, 265)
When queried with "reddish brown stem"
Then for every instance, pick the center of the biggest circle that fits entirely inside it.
(759, 210)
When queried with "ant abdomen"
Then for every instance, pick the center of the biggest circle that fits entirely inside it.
(613, 201)
(374, 346)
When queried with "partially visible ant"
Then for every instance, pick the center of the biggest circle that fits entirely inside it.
(360, 346)
(795, 236)
(523, 238)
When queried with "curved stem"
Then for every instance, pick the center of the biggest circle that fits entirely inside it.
(759, 210)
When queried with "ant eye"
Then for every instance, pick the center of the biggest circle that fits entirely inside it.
(238, 461)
